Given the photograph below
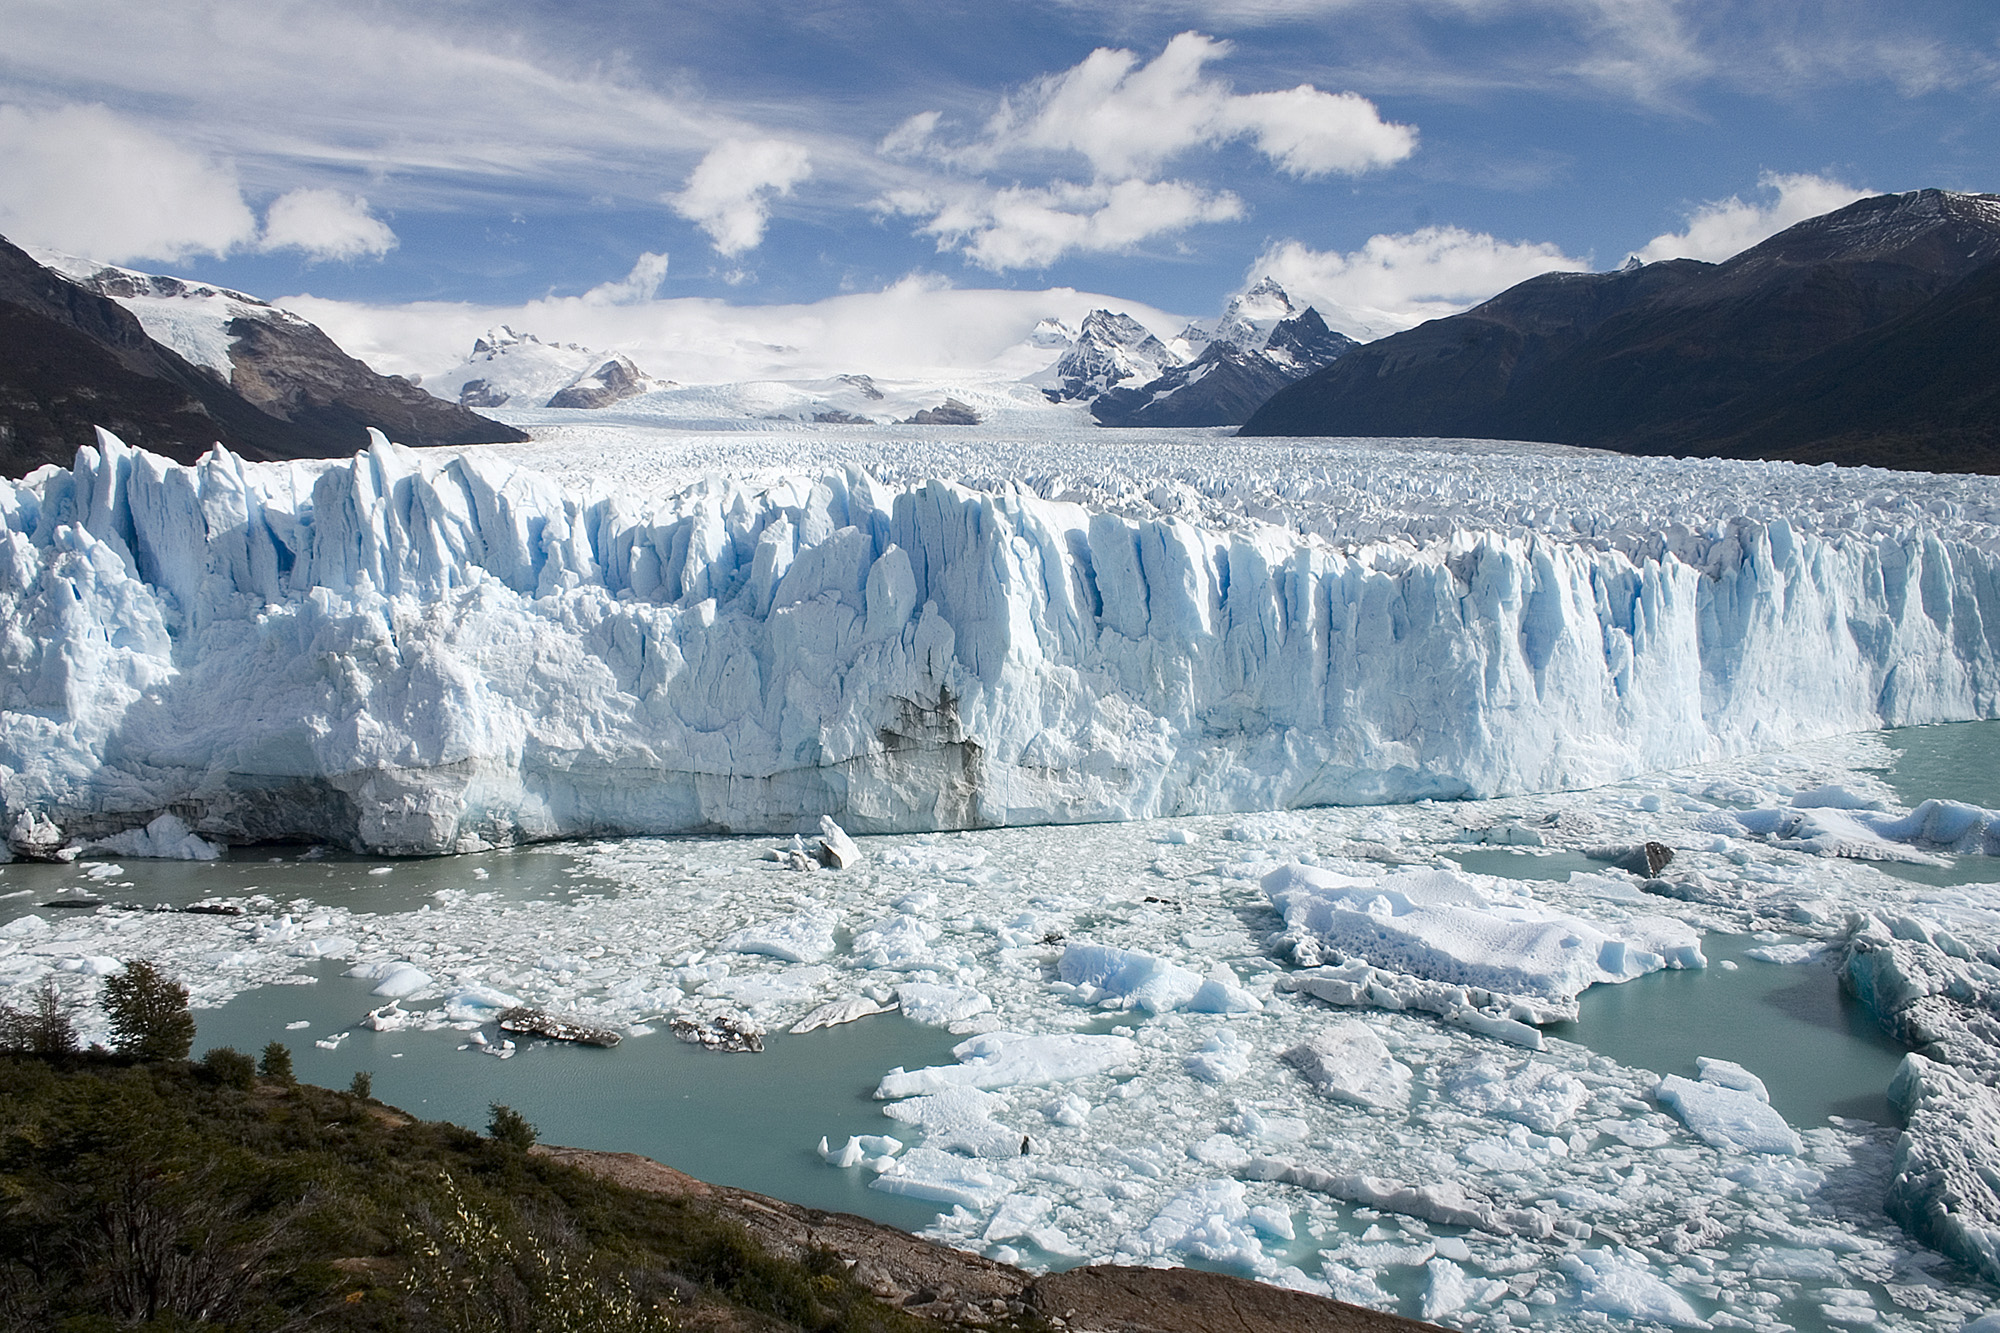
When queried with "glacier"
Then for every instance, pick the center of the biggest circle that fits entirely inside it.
(419, 653)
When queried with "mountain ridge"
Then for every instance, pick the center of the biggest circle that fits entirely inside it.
(73, 357)
(1650, 359)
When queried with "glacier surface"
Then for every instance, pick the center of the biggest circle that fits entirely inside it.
(416, 654)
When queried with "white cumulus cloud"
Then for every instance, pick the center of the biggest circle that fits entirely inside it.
(326, 224)
(1395, 282)
(84, 179)
(641, 284)
(1032, 227)
(1128, 119)
(729, 192)
(1730, 226)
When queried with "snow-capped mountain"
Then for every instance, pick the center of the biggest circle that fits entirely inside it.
(181, 365)
(1251, 317)
(1262, 343)
(1109, 349)
(517, 370)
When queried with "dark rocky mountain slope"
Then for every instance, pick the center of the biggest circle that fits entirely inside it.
(72, 358)
(1688, 357)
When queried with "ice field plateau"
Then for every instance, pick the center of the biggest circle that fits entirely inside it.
(1169, 759)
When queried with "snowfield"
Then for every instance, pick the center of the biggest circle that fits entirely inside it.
(622, 632)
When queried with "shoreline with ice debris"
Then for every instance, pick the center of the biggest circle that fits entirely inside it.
(1153, 1146)
(421, 654)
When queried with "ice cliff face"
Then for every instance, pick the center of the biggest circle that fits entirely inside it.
(413, 655)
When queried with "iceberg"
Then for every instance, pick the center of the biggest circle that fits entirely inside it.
(410, 653)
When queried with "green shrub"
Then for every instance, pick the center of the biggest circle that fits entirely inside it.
(149, 1013)
(510, 1128)
(276, 1063)
(363, 1085)
(229, 1067)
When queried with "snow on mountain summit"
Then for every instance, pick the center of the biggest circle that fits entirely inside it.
(519, 370)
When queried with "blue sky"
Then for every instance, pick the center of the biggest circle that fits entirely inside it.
(1389, 160)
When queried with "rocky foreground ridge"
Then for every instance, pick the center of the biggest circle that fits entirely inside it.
(958, 1288)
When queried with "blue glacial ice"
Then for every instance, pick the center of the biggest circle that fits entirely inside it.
(413, 654)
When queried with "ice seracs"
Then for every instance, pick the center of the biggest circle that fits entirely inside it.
(415, 653)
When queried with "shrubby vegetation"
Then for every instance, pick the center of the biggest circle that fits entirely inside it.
(222, 1194)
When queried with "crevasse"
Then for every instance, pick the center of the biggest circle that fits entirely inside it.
(413, 654)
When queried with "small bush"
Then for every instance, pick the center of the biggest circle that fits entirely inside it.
(149, 1013)
(363, 1085)
(229, 1067)
(510, 1128)
(276, 1063)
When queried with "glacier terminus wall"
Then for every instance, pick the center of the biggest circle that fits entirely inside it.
(418, 654)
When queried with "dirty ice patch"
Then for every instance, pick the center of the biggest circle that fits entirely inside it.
(1012, 1059)
(1451, 928)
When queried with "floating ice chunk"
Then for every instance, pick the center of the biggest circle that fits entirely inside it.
(1223, 1058)
(1208, 1221)
(1447, 1289)
(1539, 1096)
(167, 838)
(940, 1006)
(1729, 1074)
(1349, 1063)
(943, 1177)
(1018, 1216)
(1220, 1150)
(1833, 797)
(805, 938)
(1011, 1059)
(1222, 994)
(898, 943)
(26, 927)
(758, 992)
(1139, 978)
(1444, 1202)
(478, 1004)
(92, 965)
(1068, 1110)
(836, 850)
(875, 1151)
(1789, 955)
(959, 1120)
(327, 946)
(400, 980)
(1726, 1118)
(1520, 1150)
(1620, 1284)
(1439, 926)
(835, 1012)
(332, 1043)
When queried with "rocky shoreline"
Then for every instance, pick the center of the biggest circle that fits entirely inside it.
(961, 1289)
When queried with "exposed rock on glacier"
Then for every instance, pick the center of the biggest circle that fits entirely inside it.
(416, 655)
